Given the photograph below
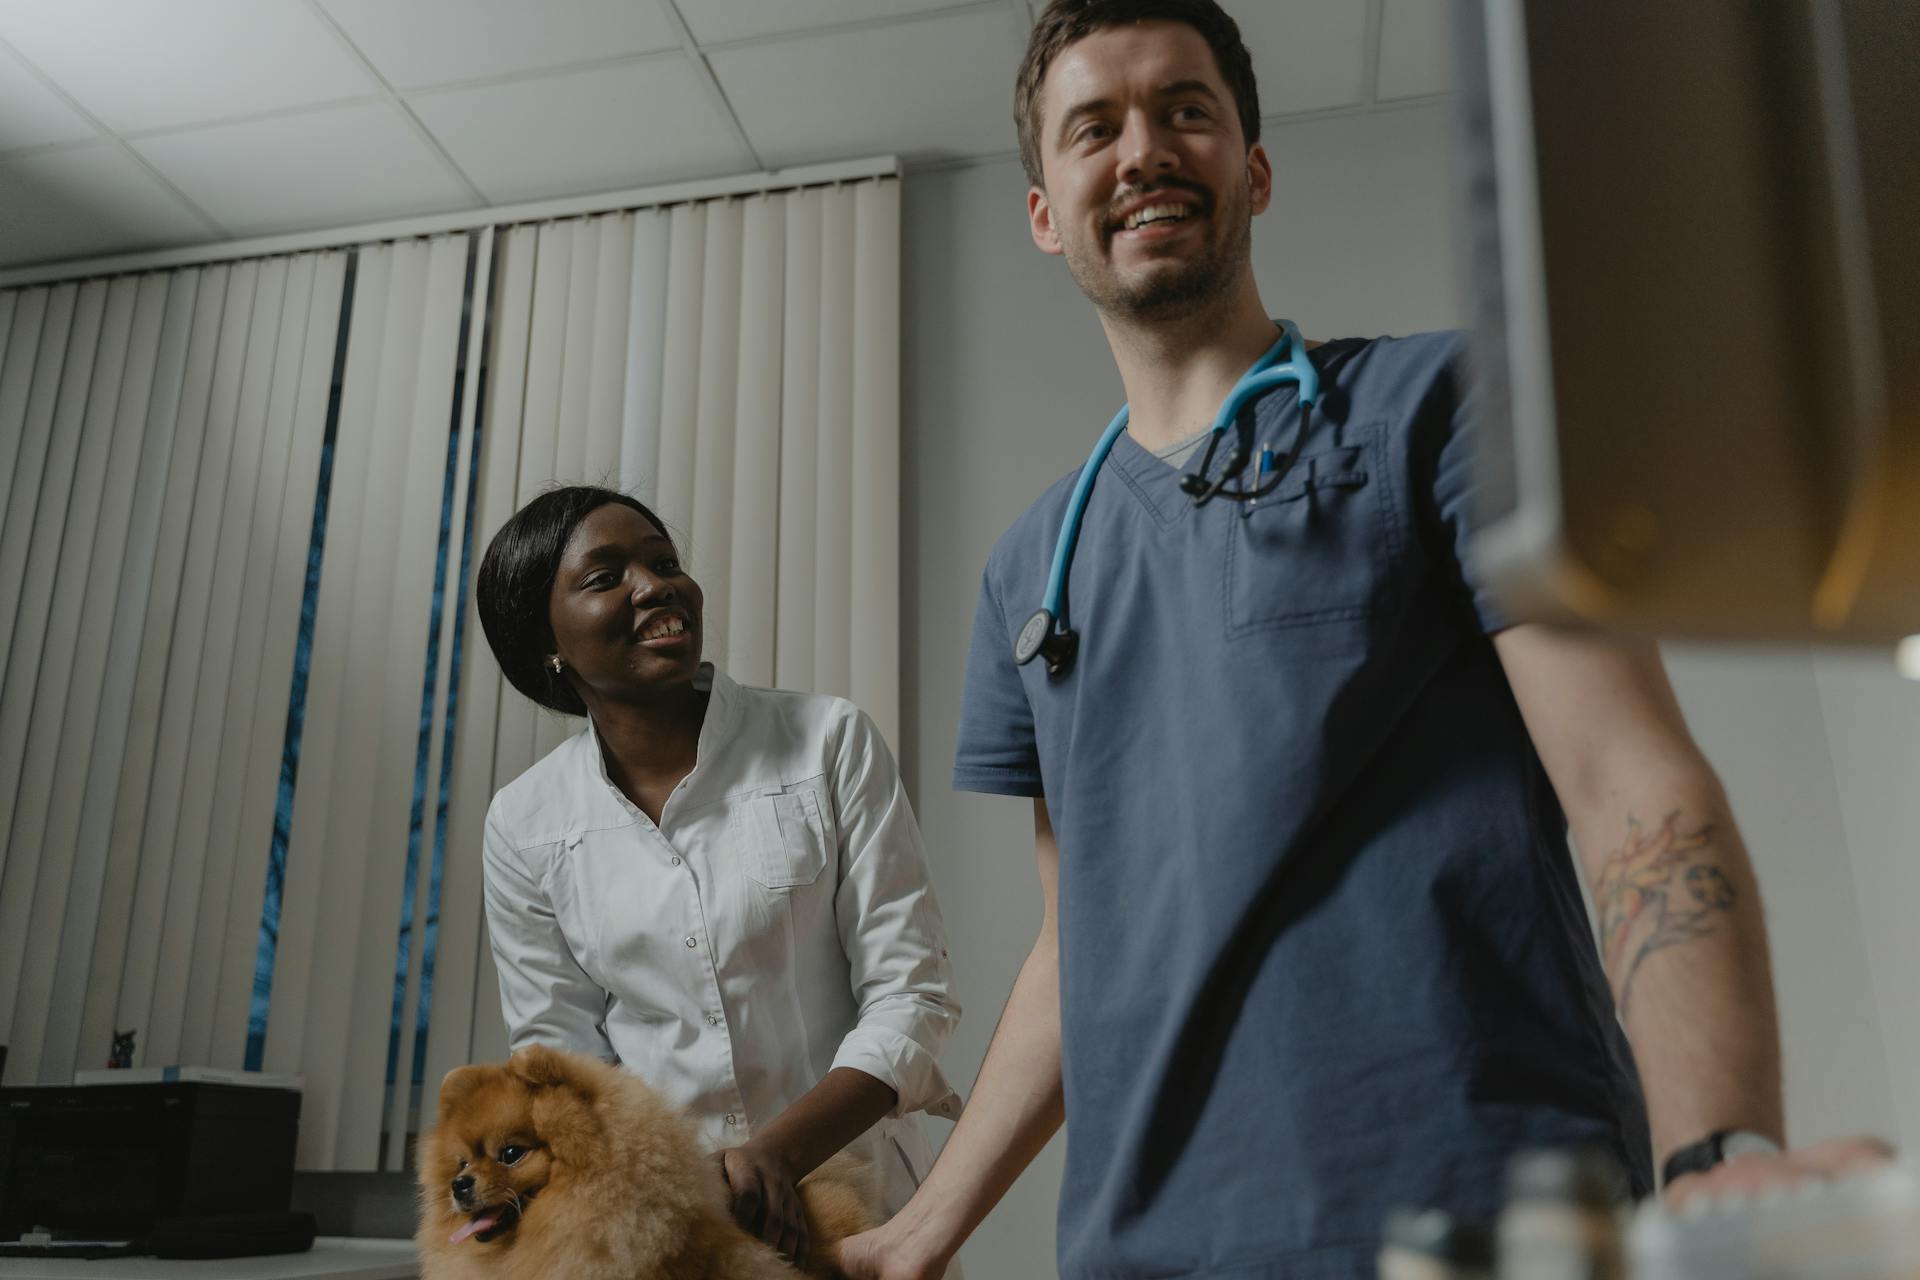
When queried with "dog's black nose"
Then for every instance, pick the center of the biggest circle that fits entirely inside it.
(463, 1186)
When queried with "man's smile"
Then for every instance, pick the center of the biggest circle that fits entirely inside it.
(1154, 216)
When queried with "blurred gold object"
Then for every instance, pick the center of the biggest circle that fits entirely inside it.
(1695, 286)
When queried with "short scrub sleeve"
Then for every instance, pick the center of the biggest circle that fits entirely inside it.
(1444, 437)
(996, 751)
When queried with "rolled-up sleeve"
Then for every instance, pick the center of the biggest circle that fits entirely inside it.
(891, 930)
(545, 997)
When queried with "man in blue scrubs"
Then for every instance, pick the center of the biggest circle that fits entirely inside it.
(1313, 944)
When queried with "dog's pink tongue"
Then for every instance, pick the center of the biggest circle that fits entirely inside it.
(474, 1227)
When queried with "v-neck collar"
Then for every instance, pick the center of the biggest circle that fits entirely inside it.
(1155, 483)
(716, 727)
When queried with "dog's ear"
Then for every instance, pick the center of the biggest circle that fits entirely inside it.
(540, 1066)
(458, 1083)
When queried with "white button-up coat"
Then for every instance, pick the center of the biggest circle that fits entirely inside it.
(777, 923)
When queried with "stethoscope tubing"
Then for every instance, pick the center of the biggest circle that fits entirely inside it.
(1265, 374)
(1076, 508)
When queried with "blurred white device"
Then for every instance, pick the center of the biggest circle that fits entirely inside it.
(1863, 1227)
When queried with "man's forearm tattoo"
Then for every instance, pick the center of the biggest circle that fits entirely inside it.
(1656, 890)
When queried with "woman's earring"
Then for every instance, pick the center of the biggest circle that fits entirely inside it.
(553, 664)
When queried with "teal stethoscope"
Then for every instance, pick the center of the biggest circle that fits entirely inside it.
(1046, 633)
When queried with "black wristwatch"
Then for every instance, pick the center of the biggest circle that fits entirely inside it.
(1716, 1148)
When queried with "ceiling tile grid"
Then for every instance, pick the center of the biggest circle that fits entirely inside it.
(326, 168)
(31, 113)
(415, 44)
(719, 21)
(1309, 55)
(641, 122)
(915, 88)
(91, 199)
(138, 64)
(250, 117)
(1414, 49)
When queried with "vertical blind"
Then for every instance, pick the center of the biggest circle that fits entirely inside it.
(248, 725)
(154, 536)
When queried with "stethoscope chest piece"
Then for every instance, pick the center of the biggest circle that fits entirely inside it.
(1039, 638)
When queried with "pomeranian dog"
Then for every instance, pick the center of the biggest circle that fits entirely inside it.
(560, 1165)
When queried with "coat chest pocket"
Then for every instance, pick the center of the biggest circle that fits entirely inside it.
(782, 837)
(1316, 550)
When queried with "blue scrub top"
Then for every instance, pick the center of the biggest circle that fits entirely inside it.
(1322, 948)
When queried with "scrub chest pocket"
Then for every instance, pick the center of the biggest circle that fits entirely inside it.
(782, 837)
(1316, 550)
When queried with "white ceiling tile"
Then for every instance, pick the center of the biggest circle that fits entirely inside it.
(316, 169)
(83, 201)
(1308, 54)
(142, 64)
(712, 21)
(427, 42)
(925, 90)
(1413, 48)
(635, 124)
(32, 115)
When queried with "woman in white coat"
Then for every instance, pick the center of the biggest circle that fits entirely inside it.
(719, 887)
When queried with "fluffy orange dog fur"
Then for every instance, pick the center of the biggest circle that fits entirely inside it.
(613, 1183)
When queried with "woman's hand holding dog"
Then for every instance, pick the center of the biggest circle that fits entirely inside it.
(762, 1173)
(765, 1198)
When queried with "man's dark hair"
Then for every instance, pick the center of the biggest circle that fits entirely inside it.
(1066, 21)
(515, 585)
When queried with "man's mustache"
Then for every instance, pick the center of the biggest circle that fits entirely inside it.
(1131, 194)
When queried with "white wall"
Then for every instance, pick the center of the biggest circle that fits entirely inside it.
(1758, 716)
(1873, 730)
(1006, 382)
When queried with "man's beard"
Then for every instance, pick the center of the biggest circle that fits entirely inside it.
(1161, 294)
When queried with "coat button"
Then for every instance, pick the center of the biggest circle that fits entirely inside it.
(674, 861)
(732, 1119)
(692, 941)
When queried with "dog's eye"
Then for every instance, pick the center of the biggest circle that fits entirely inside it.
(463, 1162)
(511, 1154)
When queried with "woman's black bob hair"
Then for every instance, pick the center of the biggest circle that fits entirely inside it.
(515, 583)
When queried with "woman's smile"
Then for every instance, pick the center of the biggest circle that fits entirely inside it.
(663, 629)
